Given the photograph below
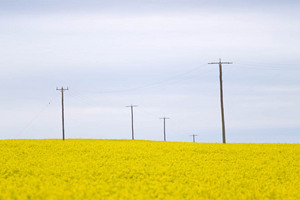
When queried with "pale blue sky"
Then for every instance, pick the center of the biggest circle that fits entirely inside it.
(103, 49)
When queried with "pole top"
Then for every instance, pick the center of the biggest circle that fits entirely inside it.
(62, 88)
(132, 106)
(220, 62)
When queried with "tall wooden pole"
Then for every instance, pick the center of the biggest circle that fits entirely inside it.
(165, 135)
(62, 111)
(222, 104)
(165, 138)
(221, 97)
(132, 128)
(194, 136)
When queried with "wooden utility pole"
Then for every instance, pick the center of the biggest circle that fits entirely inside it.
(194, 139)
(165, 136)
(63, 110)
(132, 129)
(221, 96)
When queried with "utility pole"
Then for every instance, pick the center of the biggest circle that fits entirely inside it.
(62, 110)
(194, 137)
(132, 129)
(164, 118)
(221, 96)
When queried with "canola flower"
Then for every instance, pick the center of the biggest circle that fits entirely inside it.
(123, 169)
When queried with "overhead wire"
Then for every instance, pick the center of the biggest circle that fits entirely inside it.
(148, 113)
(31, 123)
(173, 79)
(265, 66)
(154, 84)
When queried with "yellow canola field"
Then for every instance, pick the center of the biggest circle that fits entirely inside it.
(122, 169)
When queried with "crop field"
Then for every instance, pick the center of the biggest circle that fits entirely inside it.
(123, 169)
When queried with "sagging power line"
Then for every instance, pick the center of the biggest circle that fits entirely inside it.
(62, 89)
(221, 96)
(155, 84)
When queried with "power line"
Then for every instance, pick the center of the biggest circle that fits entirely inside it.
(221, 96)
(149, 114)
(269, 64)
(132, 129)
(82, 99)
(30, 124)
(86, 99)
(63, 110)
(155, 84)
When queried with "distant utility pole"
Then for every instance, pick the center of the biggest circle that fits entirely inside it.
(132, 129)
(221, 96)
(62, 110)
(164, 118)
(194, 140)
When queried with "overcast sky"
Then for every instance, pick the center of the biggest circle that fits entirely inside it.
(153, 54)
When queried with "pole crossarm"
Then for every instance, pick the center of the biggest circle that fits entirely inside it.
(62, 89)
(219, 63)
(131, 106)
(214, 63)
